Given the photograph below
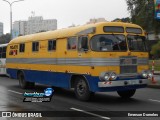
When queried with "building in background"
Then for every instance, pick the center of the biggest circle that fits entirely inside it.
(96, 20)
(34, 24)
(152, 36)
(19, 28)
(1, 28)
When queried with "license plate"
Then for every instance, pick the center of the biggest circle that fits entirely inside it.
(134, 82)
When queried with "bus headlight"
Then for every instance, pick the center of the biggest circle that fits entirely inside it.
(105, 76)
(144, 74)
(150, 75)
(113, 76)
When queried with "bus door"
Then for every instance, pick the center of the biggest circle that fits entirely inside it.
(61, 63)
(84, 55)
(78, 55)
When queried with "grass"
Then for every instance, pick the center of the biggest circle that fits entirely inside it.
(156, 65)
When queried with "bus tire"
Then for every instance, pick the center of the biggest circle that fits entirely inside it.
(22, 83)
(126, 94)
(81, 89)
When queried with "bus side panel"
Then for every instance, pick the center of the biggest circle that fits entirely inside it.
(49, 78)
(44, 77)
(12, 73)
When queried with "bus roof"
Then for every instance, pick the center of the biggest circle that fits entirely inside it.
(3, 45)
(62, 33)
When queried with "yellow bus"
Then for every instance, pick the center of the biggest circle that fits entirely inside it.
(100, 57)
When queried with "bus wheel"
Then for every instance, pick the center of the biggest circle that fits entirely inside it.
(126, 94)
(82, 90)
(23, 84)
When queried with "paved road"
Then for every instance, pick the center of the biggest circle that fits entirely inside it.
(11, 99)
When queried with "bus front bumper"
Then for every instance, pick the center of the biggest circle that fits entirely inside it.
(121, 83)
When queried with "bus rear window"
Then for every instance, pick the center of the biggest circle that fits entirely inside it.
(110, 29)
(133, 30)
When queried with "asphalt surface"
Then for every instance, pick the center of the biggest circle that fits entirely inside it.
(103, 106)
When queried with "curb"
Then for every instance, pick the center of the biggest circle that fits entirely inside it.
(154, 86)
(156, 73)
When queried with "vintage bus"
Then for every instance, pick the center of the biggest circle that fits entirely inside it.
(100, 57)
(3, 59)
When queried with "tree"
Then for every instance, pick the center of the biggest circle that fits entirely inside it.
(5, 38)
(127, 19)
(156, 50)
(142, 13)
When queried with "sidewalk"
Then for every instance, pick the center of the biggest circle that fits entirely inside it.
(156, 72)
(157, 79)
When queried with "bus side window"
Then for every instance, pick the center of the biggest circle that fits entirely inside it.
(0, 52)
(83, 43)
(51, 45)
(22, 47)
(72, 43)
(3, 55)
(35, 46)
(3, 52)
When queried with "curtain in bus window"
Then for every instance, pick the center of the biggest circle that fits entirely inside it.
(72, 43)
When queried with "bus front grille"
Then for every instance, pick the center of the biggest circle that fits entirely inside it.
(128, 69)
(128, 64)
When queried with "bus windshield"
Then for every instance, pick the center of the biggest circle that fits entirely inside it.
(136, 43)
(109, 42)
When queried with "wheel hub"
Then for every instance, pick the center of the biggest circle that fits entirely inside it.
(81, 87)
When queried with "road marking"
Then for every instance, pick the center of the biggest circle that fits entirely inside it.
(15, 92)
(103, 117)
(155, 100)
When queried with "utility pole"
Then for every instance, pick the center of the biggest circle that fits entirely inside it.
(10, 4)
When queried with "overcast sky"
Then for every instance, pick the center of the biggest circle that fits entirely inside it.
(67, 12)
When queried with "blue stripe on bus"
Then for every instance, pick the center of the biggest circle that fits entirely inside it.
(63, 80)
(43, 77)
